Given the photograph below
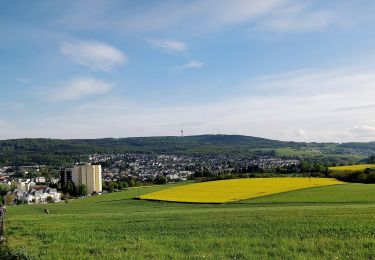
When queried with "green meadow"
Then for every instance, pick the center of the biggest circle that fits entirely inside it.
(327, 222)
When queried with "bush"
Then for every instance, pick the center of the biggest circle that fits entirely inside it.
(4, 188)
(366, 176)
(160, 180)
(124, 185)
(69, 188)
(82, 190)
(6, 253)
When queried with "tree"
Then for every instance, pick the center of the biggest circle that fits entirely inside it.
(4, 188)
(132, 182)
(20, 202)
(49, 199)
(112, 186)
(82, 190)
(160, 180)
(9, 200)
(69, 188)
(105, 186)
(124, 185)
(371, 159)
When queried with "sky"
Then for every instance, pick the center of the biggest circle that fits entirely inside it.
(301, 70)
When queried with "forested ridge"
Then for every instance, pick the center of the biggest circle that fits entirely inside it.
(59, 152)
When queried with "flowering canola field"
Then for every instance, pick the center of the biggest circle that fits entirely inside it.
(357, 167)
(235, 189)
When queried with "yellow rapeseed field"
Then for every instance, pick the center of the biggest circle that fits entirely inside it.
(235, 189)
(358, 167)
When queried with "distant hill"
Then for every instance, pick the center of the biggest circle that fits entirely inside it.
(58, 152)
(359, 146)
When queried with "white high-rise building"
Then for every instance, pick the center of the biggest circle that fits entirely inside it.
(88, 175)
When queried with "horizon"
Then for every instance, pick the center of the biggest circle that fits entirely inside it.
(285, 70)
(161, 136)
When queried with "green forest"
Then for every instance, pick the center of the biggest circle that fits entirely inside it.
(57, 152)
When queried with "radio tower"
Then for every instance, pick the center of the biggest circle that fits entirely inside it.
(182, 132)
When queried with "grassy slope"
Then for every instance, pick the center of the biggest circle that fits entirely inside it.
(339, 223)
(303, 152)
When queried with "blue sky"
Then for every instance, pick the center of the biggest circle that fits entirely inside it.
(283, 69)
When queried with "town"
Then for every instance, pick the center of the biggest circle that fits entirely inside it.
(111, 172)
(147, 167)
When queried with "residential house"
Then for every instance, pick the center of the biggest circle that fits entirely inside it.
(36, 194)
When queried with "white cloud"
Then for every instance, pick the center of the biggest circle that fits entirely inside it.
(193, 65)
(306, 105)
(79, 88)
(300, 133)
(168, 45)
(363, 131)
(95, 55)
(310, 99)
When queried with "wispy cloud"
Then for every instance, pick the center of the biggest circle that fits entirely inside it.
(168, 45)
(308, 111)
(95, 55)
(24, 80)
(322, 83)
(190, 65)
(87, 14)
(297, 18)
(200, 16)
(11, 106)
(105, 104)
(193, 64)
(195, 17)
(77, 89)
(359, 107)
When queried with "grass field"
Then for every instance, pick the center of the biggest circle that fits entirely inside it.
(235, 189)
(325, 222)
(317, 152)
(353, 168)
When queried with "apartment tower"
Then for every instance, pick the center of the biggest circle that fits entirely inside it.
(89, 175)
